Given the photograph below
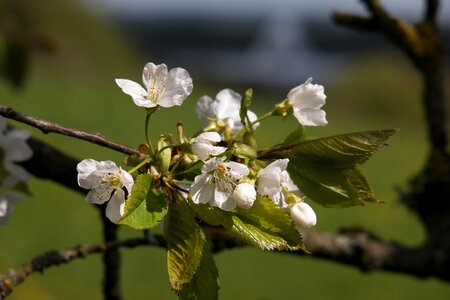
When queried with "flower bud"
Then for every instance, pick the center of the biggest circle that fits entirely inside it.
(284, 109)
(244, 195)
(244, 151)
(302, 214)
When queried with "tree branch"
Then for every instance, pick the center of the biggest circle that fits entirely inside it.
(111, 261)
(57, 257)
(422, 43)
(430, 189)
(357, 248)
(432, 7)
(47, 127)
(356, 22)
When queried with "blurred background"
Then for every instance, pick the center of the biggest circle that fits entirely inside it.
(64, 55)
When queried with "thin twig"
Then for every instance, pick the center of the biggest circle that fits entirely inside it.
(48, 127)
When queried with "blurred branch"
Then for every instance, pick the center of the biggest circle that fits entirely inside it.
(57, 257)
(422, 43)
(431, 10)
(429, 193)
(111, 260)
(48, 127)
(357, 248)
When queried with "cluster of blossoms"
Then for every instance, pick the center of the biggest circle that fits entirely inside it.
(225, 181)
(13, 149)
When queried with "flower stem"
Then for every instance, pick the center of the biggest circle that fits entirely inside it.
(263, 117)
(145, 161)
(150, 111)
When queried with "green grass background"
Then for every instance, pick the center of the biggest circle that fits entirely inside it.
(75, 87)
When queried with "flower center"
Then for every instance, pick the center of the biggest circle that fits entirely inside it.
(111, 180)
(225, 179)
(156, 88)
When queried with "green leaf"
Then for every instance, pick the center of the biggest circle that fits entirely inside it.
(326, 170)
(266, 226)
(22, 187)
(212, 215)
(245, 104)
(156, 205)
(332, 188)
(192, 170)
(341, 151)
(296, 136)
(185, 243)
(205, 283)
(136, 214)
(164, 156)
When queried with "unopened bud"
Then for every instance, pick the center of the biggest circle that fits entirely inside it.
(244, 151)
(244, 194)
(303, 215)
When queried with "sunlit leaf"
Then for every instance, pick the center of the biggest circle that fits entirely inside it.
(185, 244)
(326, 169)
(212, 215)
(205, 283)
(135, 212)
(266, 226)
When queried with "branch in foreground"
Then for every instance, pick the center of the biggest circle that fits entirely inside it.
(54, 258)
(47, 127)
(357, 248)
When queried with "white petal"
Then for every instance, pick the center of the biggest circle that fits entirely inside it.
(269, 183)
(3, 124)
(241, 169)
(127, 180)
(4, 204)
(143, 102)
(289, 184)
(216, 150)
(99, 196)
(91, 181)
(202, 190)
(302, 214)
(178, 88)
(153, 72)
(279, 199)
(212, 163)
(86, 167)
(310, 117)
(131, 88)
(15, 145)
(204, 108)
(211, 136)
(116, 206)
(202, 149)
(16, 171)
(227, 104)
(223, 200)
(244, 195)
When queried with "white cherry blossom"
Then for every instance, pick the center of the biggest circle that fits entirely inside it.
(105, 181)
(14, 149)
(303, 215)
(162, 87)
(273, 179)
(203, 145)
(7, 204)
(217, 183)
(306, 100)
(224, 109)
